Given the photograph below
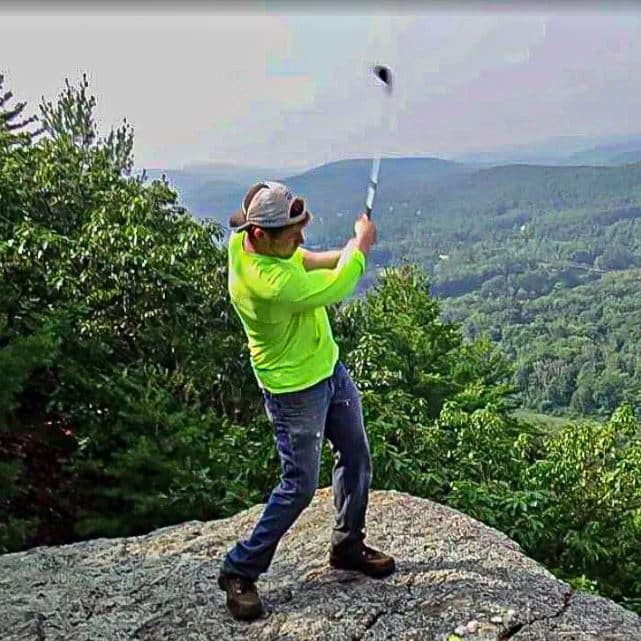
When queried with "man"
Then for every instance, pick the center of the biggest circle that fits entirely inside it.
(280, 291)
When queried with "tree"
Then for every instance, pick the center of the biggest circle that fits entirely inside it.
(116, 339)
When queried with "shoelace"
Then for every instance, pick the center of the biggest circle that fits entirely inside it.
(240, 587)
(369, 552)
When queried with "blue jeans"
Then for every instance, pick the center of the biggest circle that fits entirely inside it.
(330, 409)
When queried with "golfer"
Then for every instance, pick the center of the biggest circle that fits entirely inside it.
(280, 291)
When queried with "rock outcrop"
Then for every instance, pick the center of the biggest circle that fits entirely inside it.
(456, 578)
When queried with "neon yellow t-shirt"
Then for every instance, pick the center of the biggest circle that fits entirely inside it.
(282, 309)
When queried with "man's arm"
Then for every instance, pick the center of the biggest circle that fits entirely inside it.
(303, 290)
(320, 260)
(365, 237)
(307, 290)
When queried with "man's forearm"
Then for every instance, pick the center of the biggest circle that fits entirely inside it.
(321, 260)
(352, 244)
(333, 258)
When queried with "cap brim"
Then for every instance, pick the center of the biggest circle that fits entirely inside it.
(237, 221)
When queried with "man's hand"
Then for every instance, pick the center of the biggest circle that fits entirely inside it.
(365, 231)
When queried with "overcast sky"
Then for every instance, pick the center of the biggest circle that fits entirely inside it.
(278, 89)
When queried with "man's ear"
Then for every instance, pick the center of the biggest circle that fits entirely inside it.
(255, 233)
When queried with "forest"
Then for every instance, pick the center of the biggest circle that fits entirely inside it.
(127, 401)
(543, 260)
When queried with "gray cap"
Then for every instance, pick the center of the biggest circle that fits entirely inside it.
(269, 204)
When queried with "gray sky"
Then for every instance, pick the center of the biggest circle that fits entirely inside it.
(278, 89)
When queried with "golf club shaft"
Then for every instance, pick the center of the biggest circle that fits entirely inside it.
(384, 74)
(371, 186)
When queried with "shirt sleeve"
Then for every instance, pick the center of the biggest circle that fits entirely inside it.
(306, 290)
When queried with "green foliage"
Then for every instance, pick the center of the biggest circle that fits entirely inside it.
(127, 401)
(571, 499)
(117, 343)
(581, 354)
(409, 365)
(591, 473)
(558, 292)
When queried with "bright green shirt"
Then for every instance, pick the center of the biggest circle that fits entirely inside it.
(282, 309)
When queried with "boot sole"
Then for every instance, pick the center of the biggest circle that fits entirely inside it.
(373, 572)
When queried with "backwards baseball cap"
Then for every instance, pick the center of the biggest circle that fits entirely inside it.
(269, 204)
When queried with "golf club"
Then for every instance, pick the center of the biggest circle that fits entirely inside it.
(384, 74)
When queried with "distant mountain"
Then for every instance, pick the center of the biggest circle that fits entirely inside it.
(536, 188)
(226, 172)
(415, 189)
(238, 173)
(425, 207)
(213, 190)
(341, 186)
(329, 190)
(628, 157)
(615, 154)
(560, 150)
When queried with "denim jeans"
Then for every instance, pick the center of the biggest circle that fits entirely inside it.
(301, 420)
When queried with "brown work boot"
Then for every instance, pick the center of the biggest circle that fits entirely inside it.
(242, 597)
(358, 556)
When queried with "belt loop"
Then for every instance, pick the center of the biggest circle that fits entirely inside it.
(332, 384)
(332, 379)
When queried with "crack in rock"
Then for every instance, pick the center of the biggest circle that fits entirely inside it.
(370, 622)
(40, 631)
(514, 629)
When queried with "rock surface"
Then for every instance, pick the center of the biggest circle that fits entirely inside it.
(456, 579)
